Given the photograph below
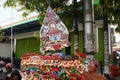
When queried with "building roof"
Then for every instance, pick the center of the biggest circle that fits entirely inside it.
(26, 25)
(26, 20)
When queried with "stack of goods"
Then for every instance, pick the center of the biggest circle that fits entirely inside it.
(53, 66)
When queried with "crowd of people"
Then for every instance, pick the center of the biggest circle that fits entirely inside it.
(8, 73)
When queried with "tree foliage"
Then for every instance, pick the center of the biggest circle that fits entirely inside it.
(62, 7)
(1, 34)
(111, 8)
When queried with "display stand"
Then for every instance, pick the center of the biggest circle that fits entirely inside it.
(54, 65)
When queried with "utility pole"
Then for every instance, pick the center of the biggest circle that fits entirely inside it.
(11, 36)
(88, 26)
(89, 48)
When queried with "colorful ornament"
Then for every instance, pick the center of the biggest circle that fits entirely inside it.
(53, 33)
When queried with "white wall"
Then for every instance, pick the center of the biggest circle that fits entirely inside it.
(5, 50)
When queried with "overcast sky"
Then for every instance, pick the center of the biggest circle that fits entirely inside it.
(10, 15)
(6, 14)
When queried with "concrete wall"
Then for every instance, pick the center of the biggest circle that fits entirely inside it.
(5, 50)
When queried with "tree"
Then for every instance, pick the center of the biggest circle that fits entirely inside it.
(111, 10)
(62, 7)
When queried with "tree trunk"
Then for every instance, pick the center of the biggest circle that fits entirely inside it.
(106, 43)
(75, 25)
(106, 47)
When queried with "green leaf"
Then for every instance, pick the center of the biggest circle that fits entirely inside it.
(25, 14)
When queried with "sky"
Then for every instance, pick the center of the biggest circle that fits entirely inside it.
(117, 37)
(8, 16)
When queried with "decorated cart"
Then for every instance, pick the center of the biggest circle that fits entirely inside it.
(54, 65)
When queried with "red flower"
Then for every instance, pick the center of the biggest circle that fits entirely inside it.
(80, 54)
(81, 77)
